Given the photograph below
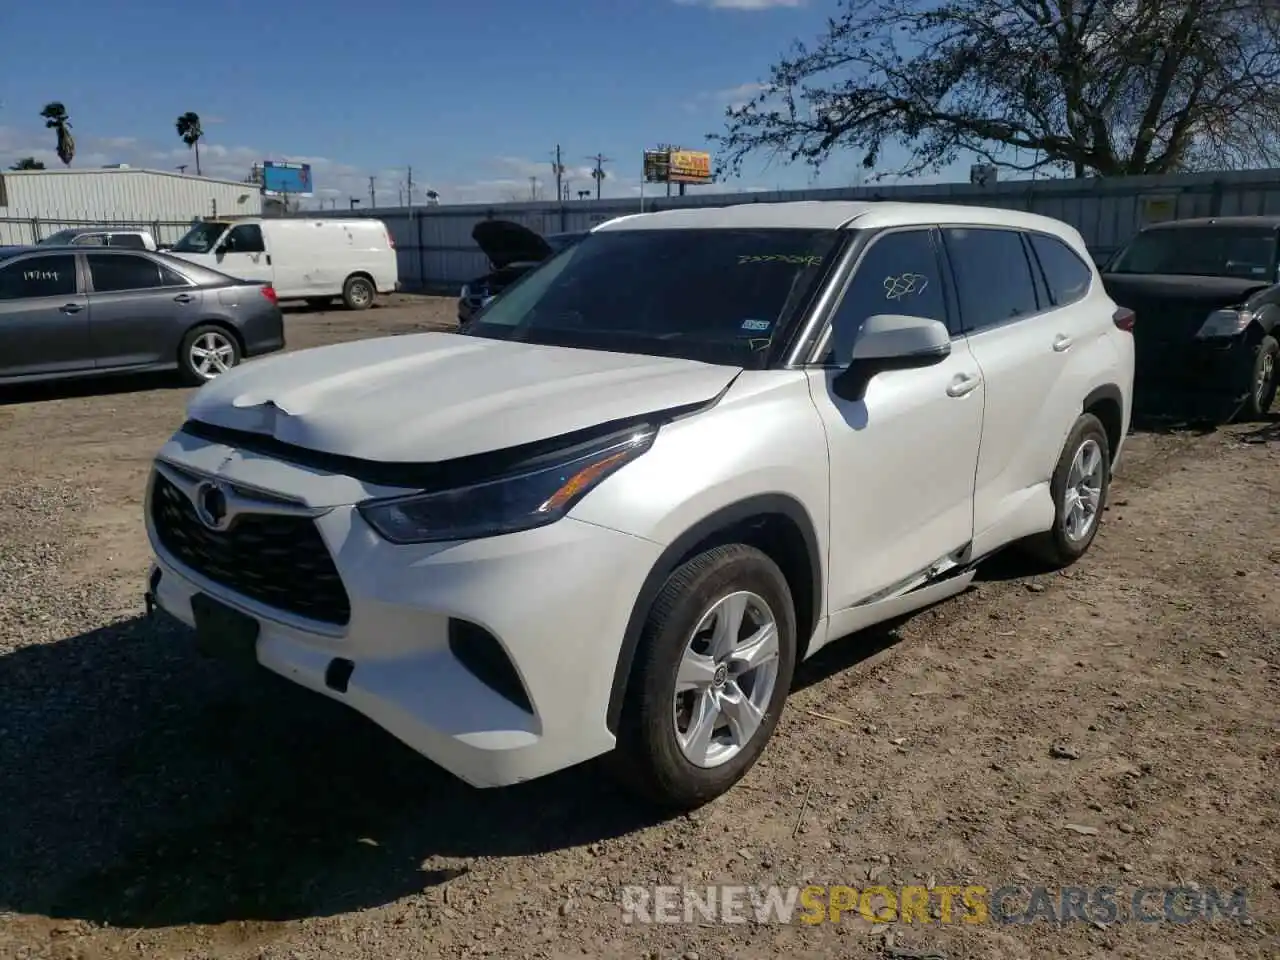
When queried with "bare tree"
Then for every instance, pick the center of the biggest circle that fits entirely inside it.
(1109, 87)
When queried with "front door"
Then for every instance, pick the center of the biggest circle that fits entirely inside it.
(903, 457)
(44, 319)
(243, 253)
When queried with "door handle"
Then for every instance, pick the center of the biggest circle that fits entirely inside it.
(183, 298)
(1061, 342)
(963, 385)
(71, 308)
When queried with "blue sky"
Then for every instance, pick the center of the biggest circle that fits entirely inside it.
(474, 95)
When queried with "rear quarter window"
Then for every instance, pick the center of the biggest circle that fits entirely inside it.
(1068, 276)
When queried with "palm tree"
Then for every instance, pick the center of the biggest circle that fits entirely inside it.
(190, 131)
(55, 118)
(28, 163)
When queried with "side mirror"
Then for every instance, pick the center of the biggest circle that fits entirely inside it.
(892, 342)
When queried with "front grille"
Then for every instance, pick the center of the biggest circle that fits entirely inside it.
(280, 561)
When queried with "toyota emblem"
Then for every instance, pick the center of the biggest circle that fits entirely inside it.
(211, 505)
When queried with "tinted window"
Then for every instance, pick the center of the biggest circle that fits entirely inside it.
(38, 277)
(130, 241)
(111, 273)
(717, 295)
(1245, 252)
(171, 278)
(993, 277)
(90, 240)
(246, 238)
(1068, 276)
(897, 274)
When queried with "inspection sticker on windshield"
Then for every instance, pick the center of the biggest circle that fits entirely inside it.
(757, 326)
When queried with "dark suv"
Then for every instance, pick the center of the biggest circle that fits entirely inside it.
(513, 250)
(1207, 297)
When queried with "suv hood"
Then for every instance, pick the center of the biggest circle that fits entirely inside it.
(505, 243)
(429, 397)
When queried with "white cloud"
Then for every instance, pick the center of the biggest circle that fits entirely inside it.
(742, 4)
(733, 97)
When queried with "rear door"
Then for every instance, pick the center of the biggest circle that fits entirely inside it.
(44, 318)
(1023, 344)
(243, 253)
(139, 309)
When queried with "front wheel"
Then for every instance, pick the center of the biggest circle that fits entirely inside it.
(712, 672)
(1079, 487)
(1263, 382)
(358, 293)
(206, 352)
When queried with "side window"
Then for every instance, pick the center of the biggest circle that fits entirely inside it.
(130, 241)
(53, 276)
(993, 277)
(246, 238)
(898, 273)
(171, 278)
(90, 240)
(113, 273)
(1068, 276)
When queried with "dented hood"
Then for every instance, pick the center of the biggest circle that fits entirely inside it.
(437, 396)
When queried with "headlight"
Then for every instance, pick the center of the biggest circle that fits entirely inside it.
(1224, 323)
(521, 501)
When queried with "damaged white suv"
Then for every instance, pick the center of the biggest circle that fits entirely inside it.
(613, 513)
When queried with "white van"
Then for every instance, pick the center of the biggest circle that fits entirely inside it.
(312, 260)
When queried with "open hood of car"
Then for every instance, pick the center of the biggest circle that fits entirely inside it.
(505, 242)
(433, 397)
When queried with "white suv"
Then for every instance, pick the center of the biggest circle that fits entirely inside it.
(680, 456)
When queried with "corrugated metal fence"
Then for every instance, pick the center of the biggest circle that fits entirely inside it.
(437, 253)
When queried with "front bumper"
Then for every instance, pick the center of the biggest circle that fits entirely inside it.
(1207, 379)
(556, 599)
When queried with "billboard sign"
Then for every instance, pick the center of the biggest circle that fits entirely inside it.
(689, 166)
(281, 179)
(675, 165)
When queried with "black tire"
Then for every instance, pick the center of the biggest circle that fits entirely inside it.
(319, 303)
(1263, 382)
(649, 757)
(1056, 548)
(358, 293)
(211, 334)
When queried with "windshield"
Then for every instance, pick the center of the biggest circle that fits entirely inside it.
(1249, 254)
(59, 239)
(720, 296)
(200, 238)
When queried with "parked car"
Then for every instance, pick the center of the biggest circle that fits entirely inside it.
(614, 513)
(1208, 308)
(101, 237)
(513, 250)
(313, 260)
(74, 312)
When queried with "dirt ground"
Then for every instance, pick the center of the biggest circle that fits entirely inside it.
(1112, 725)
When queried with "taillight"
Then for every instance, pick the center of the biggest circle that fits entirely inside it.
(269, 292)
(1124, 319)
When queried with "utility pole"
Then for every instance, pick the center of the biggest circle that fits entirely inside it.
(558, 169)
(598, 173)
(354, 201)
(373, 196)
(409, 188)
(533, 188)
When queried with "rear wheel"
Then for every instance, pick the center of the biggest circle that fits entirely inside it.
(358, 293)
(1262, 385)
(712, 673)
(1079, 488)
(206, 352)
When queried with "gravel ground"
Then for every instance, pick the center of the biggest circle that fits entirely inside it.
(1112, 725)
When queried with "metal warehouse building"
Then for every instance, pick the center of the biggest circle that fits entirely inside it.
(36, 203)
